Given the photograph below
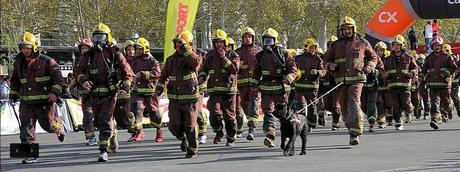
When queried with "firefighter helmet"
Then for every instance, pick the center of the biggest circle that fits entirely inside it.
(219, 35)
(249, 31)
(29, 39)
(104, 29)
(380, 45)
(446, 48)
(271, 33)
(186, 37)
(348, 21)
(309, 43)
(142, 42)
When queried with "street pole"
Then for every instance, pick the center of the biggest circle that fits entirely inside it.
(83, 34)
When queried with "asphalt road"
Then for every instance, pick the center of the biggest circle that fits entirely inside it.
(417, 148)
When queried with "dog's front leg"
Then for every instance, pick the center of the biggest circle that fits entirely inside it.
(303, 136)
(292, 139)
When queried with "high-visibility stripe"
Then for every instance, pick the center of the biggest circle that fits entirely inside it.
(399, 84)
(254, 81)
(57, 88)
(227, 64)
(265, 72)
(278, 71)
(393, 71)
(340, 60)
(211, 71)
(147, 75)
(93, 71)
(351, 78)
(189, 76)
(244, 66)
(243, 80)
(34, 97)
(42, 79)
(145, 90)
(203, 86)
(253, 119)
(183, 97)
(222, 89)
(172, 78)
(23, 81)
(270, 88)
(300, 85)
(437, 84)
(455, 80)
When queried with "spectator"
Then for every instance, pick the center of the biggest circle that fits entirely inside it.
(4, 89)
(435, 27)
(413, 39)
(428, 33)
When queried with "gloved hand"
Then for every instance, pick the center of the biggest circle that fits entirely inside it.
(221, 52)
(87, 85)
(52, 97)
(332, 66)
(367, 69)
(314, 72)
(139, 74)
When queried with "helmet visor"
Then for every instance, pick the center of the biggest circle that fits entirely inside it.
(268, 41)
(99, 38)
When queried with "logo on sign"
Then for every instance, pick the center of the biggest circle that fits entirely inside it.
(453, 2)
(182, 15)
(388, 17)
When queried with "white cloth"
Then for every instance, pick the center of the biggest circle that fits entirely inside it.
(428, 31)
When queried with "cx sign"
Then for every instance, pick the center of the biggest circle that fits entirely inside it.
(388, 17)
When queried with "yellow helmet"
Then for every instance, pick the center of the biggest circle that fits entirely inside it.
(249, 31)
(271, 33)
(219, 35)
(380, 45)
(29, 39)
(292, 52)
(230, 41)
(399, 40)
(142, 42)
(332, 38)
(308, 43)
(447, 49)
(348, 21)
(185, 37)
(102, 28)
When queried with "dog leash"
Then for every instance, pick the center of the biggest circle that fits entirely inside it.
(319, 98)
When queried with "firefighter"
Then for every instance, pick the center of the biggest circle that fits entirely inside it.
(129, 49)
(248, 101)
(123, 116)
(179, 76)
(274, 72)
(424, 90)
(85, 45)
(351, 58)
(369, 94)
(330, 102)
(446, 48)
(222, 67)
(438, 71)
(97, 72)
(383, 93)
(147, 71)
(400, 69)
(310, 69)
(37, 82)
(202, 120)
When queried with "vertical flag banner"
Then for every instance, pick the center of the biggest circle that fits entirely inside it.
(181, 16)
